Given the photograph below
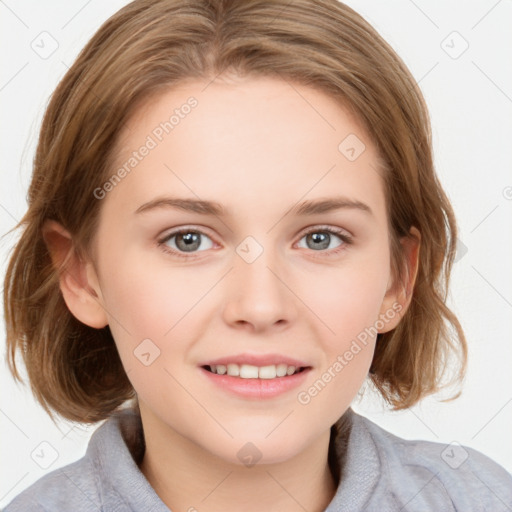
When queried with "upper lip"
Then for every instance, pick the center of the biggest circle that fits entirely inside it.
(257, 360)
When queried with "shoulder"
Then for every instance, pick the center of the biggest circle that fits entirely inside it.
(438, 473)
(106, 478)
(72, 487)
(89, 484)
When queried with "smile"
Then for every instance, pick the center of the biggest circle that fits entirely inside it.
(248, 371)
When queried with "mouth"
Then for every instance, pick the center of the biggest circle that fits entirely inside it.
(255, 376)
(249, 371)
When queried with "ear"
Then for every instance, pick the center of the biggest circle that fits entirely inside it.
(78, 280)
(399, 295)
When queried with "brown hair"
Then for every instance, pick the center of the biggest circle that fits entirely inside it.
(149, 46)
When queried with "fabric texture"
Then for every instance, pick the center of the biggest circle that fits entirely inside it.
(379, 472)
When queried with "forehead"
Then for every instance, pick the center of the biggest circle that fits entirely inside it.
(249, 140)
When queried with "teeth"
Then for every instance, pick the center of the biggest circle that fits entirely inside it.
(233, 370)
(281, 370)
(267, 372)
(248, 371)
(290, 370)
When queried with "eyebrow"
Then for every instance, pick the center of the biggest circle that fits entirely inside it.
(214, 208)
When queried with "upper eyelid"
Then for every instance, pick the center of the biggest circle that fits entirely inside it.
(319, 227)
(186, 229)
(325, 227)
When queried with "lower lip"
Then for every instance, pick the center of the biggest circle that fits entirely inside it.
(257, 388)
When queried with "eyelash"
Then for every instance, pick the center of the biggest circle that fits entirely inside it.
(345, 238)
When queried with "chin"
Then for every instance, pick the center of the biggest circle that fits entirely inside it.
(247, 450)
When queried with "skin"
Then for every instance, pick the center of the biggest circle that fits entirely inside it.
(258, 146)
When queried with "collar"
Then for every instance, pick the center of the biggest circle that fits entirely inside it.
(118, 447)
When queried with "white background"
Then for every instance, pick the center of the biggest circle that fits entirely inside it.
(470, 100)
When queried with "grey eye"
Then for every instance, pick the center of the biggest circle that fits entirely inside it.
(320, 240)
(187, 241)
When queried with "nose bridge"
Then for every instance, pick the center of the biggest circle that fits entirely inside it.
(257, 294)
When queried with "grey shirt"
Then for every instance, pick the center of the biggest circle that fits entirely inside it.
(379, 472)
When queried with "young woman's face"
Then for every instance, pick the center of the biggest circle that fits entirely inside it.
(266, 283)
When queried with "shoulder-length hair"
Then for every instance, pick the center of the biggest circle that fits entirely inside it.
(149, 46)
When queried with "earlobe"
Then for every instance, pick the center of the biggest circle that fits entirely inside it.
(398, 298)
(77, 278)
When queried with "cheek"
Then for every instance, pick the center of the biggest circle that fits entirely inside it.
(148, 299)
(350, 308)
(155, 302)
(349, 298)
(348, 301)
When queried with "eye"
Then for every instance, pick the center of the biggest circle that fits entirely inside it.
(320, 238)
(185, 241)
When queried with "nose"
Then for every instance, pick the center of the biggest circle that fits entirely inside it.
(258, 295)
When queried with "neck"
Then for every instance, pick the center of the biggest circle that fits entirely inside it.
(187, 477)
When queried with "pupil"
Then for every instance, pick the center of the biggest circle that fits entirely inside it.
(189, 240)
(322, 238)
